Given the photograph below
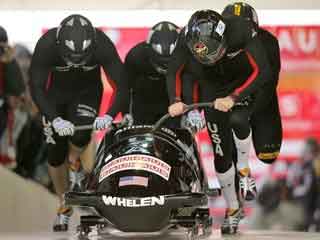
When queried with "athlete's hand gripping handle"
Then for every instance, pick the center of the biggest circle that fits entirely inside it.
(101, 123)
(63, 127)
(176, 109)
(193, 120)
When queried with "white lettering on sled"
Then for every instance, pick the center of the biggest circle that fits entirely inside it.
(136, 202)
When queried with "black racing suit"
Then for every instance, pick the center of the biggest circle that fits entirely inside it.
(148, 87)
(75, 93)
(149, 96)
(241, 72)
(265, 120)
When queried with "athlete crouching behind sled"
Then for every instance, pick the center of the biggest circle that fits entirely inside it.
(70, 57)
(220, 54)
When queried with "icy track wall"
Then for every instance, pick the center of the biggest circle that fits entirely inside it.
(24, 205)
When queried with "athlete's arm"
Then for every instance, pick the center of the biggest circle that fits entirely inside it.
(174, 75)
(114, 69)
(257, 57)
(132, 65)
(40, 71)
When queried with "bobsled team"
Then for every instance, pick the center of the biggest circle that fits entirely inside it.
(224, 58)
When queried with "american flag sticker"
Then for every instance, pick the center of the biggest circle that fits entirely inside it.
(133, 180)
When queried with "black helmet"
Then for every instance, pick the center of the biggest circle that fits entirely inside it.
(243, 10)
(205, 36)
(76, 39)
(3, 35)
(162, 39)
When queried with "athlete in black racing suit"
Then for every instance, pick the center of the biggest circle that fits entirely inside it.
(261, 117)
(146, 64)
(228, 60)
(67, 88)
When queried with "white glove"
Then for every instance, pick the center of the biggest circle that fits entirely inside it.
(63, 127)
(194, 121)
(101, 123)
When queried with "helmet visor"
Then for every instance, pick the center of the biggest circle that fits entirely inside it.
(206, 41)
(207, 51)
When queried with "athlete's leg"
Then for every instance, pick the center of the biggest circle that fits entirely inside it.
(58, 171)
(267, 131)
(221, 137)
(82, 111)
(87, 157)
(57, 168)
(239, 119)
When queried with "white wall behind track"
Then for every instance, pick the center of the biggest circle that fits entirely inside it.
(152, 4)
(25, 26)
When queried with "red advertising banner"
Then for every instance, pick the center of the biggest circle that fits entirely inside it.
(125, 38)
(300, 114)
(299, 46)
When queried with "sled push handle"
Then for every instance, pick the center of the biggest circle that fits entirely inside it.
(120, 124)
(83, 127)
(187, 109)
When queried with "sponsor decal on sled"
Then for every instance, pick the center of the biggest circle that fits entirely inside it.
(133, 202)
(136, 162)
